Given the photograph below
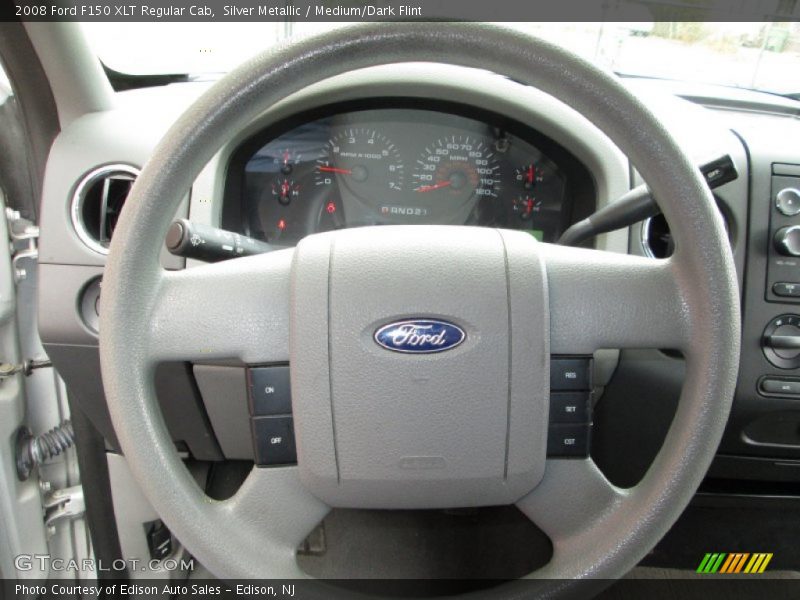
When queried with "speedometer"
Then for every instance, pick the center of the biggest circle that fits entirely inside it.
(458, 167)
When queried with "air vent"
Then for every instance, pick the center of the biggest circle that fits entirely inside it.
(657, 241)
(97, 204)
(657, 238)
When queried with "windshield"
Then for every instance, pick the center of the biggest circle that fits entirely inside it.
(762, 56)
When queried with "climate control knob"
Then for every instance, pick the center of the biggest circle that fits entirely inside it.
(781, 341)
(787, 201)
(787, 240)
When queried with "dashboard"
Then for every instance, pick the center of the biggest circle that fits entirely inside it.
(346, 166)
(424, 144)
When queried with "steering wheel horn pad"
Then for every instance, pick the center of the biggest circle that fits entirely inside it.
(380, 429)
(319, 305)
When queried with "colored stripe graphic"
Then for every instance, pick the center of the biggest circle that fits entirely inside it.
(739, 562)
(711, 562)
(729, 563)
(758, 563)
(734, 562)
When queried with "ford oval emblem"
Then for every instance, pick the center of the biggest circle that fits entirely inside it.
(420, 336)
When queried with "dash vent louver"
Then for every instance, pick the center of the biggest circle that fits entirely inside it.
(98, 201)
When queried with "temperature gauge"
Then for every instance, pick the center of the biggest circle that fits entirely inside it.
(284, 190)
(525, 206)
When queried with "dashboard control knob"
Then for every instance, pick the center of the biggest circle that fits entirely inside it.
(787, 240)
(787, 201)
(781, 341)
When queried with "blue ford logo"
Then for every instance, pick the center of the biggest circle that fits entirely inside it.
(420, 336)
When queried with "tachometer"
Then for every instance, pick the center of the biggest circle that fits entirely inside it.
(364, 160)
(458, 166)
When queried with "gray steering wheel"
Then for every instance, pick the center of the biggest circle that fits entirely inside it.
(360, 411)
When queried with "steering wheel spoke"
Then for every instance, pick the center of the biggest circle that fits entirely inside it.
(571, 496)
(237, 309)
(601, 300)
(274, 509)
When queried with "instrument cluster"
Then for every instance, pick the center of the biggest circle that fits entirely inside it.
(405, 165)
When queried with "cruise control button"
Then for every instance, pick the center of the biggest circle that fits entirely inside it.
(568, 440)
(570, 374)
(270, 393)
(783, 288)
(787, 387)
(569, 407)
(274, 441)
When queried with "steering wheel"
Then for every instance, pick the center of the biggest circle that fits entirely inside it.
(382, 429)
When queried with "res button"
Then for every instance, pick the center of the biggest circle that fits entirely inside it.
(568, 374)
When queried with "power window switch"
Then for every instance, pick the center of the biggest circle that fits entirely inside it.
(159, 540)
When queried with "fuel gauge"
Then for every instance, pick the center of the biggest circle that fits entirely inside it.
(286, 160)
(528, 176)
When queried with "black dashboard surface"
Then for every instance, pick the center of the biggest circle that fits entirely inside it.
(402, 165)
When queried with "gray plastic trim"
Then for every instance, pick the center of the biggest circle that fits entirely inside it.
(224, 392)
(76, 77)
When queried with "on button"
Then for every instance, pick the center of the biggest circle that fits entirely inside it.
(270, 393)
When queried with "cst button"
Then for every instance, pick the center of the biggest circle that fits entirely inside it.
(568, 440)
(270, 393)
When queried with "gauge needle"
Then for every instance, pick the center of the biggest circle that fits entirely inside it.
(435, 186)
(530, 175)
(335, 170)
